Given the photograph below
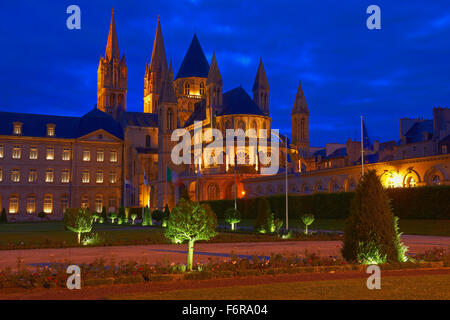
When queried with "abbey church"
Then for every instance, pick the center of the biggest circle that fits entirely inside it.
(112, 157)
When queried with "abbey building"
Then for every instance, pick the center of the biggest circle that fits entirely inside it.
(111, 157)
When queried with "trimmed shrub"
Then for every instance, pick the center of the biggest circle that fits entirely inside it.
(264, 220)
(3, 217)
(104, 215)
(232, 216)
(165, 216)
(112, 216)
(369, 234)
(42, 215)
(146, 217)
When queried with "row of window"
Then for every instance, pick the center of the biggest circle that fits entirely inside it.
(66, 154)
(48, 203)
(65, 176)
(17, 129)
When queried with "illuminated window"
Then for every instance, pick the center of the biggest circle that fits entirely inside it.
(436, 180)
(33, 153)
(17, 128)
(66, 154)
(32, 176)
(98, 203)
(64, 203)
(100, 155)
(99, 177)
(13, 204)
(50, 153)
(48, 204)
(85, 176)
(2, 151)
(17, 152)
(49, 175)
(112, 177)
(202, 88)
(31, 204)
(85, 201)
(50, 130)
(15, 175)
(1, 174)
(186, 88)
(411, 182)
(113, 156)
(65, 176)
(86, 155)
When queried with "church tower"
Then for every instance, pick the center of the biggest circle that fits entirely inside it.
(213, 90)
(300, 122)
(261, 89)
(155, 73)
(112, 76)
(167, 123)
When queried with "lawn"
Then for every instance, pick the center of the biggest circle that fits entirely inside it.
(405, 287)
(407, 226)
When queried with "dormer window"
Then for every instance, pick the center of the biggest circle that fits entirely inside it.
(50, 130)
(17, 128)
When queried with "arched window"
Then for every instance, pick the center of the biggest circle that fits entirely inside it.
(64, 202)
(186, 88)
(202, 88)
(148, 141)
(85, 201)
(31, 204)
(13, 204)
(170, 119)
(213, 191)
(436, 180)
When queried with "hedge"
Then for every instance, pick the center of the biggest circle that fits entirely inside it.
(430, 202)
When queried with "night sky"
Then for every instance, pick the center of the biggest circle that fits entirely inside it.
(346, 70)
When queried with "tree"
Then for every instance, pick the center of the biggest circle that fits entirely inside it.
(95, 216)
(166, 215)
(191, 221)
(42, 215)
(146, 217)
(232, 216)
(264, 218)
(133, 217)
(3, 217)
(369, 233)
(104, 215)
(307, 220)
(78, 220)
(112, 216)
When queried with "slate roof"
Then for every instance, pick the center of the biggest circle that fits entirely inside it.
(194, 63)
(35, 125)
(199, 113)
(415, 133)
(341, 152)
(140, 119)
(237, 101)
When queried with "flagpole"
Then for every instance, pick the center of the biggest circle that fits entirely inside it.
(362, 148)
(165, 187)
(287, 204)
(235, 182)
(198, 169)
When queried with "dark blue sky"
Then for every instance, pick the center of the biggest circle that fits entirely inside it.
(346, 70)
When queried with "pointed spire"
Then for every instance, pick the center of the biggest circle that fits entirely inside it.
(124, 60)
(261, 78)
(112, 46)
(159, 61)
(194, 62)
(300, 105)
(214, 72)
(168, 92)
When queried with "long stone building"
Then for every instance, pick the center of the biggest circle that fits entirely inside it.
(111, 157)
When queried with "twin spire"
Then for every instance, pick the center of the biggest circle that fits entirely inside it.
(159, 61)
(214, 76)
(261, 81)
(112, 46)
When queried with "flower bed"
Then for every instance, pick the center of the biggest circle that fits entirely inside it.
(100, 273)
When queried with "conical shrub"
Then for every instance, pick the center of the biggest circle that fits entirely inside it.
(369, 234)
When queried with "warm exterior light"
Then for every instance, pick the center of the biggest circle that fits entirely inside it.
(394, 180)
(243, 193)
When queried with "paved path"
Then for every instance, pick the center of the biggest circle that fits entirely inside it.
(203, 251)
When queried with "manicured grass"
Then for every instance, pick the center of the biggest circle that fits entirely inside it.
(407, 226)
(392, 288)
(52, 234)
